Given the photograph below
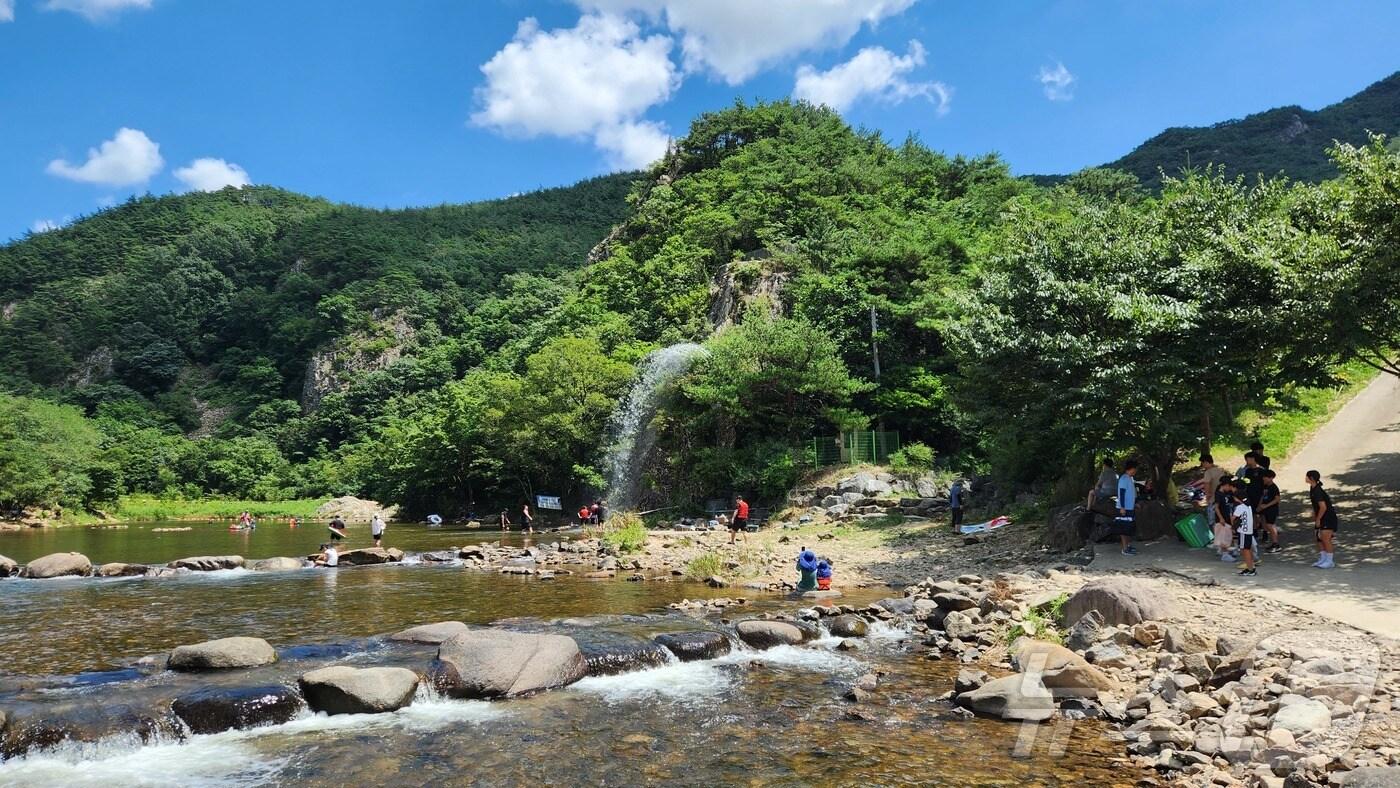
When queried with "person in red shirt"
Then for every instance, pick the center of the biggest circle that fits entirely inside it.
(740, 521)
(583, 515)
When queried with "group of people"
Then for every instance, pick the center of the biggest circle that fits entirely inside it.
(813, 573)
(595, 513)
(330, 552)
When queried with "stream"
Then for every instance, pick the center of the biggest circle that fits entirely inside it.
(774, 717)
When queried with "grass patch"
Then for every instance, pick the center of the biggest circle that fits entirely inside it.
(704, 566)
(624, 533)
(1041, 623)
(146, 507)
(1282, 426)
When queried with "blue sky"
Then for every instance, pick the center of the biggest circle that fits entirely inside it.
(419, 102)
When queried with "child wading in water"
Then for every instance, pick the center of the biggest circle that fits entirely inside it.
(824, 575)
(1324, 520)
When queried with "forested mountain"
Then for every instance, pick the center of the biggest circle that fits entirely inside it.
(256, 343)
(1286, 140)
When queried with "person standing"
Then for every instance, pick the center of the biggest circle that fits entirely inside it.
(1223, 507)
(337, 528)
(1268, 509)
(1243, 520)
(1107, 485)
(1211, 474)
(376, 529)
(595, 513)
(739, 521)
(1324, 520)
(1259, 455)
(583, 515)
(1126, 522)
(527, 521)
(955, 503)
(505, 520)
(292, 522)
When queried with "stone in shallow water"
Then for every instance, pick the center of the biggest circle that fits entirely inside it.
(217, 709)
(1015, 697)
(371, 555)
(430, 633)
(345, 690)
(492, 663)
(224, 653)
(767, 634)
(207, 563)
(58, 565)
(122, 570)
(622, 656)
(278, 564)
(848, 625)
(699, 644)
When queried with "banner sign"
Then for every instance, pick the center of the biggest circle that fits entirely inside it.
(548, 502)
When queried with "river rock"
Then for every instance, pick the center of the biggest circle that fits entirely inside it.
(345, 690)
(848, 625)
(1302, 715)
(122, 570)
(431, 633)
(236, 652)
(493, 663)
(366, 556)
(1121, 600)
(698, 644)
(767, 634)
(1369, 777)
(1015, 697)
(954, 601)
(216, 709)
(278, 564)
(1184, 640)
(439, 556)
(348, 507)
(1064, 672)
(8, 567)
(959, 625)
(207, 563)
(1085, 631)
(58, 565)
(620, 654)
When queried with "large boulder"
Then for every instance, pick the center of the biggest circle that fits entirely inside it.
(1121, 600)
(371, 555)
(1184, 640)
(699, 644)
(207, 563)
(216, 709)
(8, 567)
(1154, 520)
(767, 634)
(1300, 715)
(344, 690)
(1015, 697)
(612, 655)
(123, 570)
(864, 483)
(58, 565)
(431, 633)
(848, 625)
(1063, 672)
(1368, 777)
(1068, 528)
(494, 663)
(221, 654)
(278, 564)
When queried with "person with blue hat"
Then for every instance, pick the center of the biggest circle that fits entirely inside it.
(807, 570)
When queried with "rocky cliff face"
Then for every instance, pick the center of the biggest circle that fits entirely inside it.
(333, 367)
(739, 287)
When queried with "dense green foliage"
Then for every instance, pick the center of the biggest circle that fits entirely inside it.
(257, 344)
(1289, 140)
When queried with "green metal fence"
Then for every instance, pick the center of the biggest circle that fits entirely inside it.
(855, 447)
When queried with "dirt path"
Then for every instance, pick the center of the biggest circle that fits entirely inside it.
(1358, 454)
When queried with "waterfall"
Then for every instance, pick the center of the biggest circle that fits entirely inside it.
(631, 432)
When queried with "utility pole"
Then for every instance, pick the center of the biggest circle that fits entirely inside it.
(875, 355)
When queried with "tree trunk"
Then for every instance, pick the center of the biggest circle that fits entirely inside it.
(1206, 434)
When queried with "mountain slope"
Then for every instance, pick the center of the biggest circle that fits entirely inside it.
(1289, 140)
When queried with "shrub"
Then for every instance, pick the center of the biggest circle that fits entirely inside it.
(914, 458)
(704, 566)
(624, 533)
(1041, 622)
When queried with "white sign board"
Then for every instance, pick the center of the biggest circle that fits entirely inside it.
(548, 502)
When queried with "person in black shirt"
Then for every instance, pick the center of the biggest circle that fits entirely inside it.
(1268, 509)
(1324, 520)
(1259, 455)
(1224, 506)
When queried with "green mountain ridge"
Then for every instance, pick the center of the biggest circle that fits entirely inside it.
(1289, 140)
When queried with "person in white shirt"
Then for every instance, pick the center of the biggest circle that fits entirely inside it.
(376, 528)
(1243, 517)
(329, 556)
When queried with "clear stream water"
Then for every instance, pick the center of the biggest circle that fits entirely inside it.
(750, 718)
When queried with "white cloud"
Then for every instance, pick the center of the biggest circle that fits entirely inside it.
(875, 72)
(211, 175)
(7, 10)
(592, 80)
(736, 39)
(43, 226)
(128, 158)
(1057, 82)
(96, 10)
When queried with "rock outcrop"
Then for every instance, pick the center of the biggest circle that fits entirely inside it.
(431, 633)
(207, 563)
(122, 570)
(493, 663)
(345, 690)
(217, 709)
(221, 654)
(368, 556)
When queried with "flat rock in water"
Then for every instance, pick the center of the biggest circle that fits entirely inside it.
(344, 690)
(699, 644)
(494, 663)
(1064, 672)
(366, 556)
(58, 565)
(122, 570)
(830, 593)
(221, 654)
(848, 625)
(278, 564)
(1015, 697)
(207, 563)
(217, 709)
(1121, 600)
(8, 567)
(431, 633)
(622, 655)
(767, 634)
